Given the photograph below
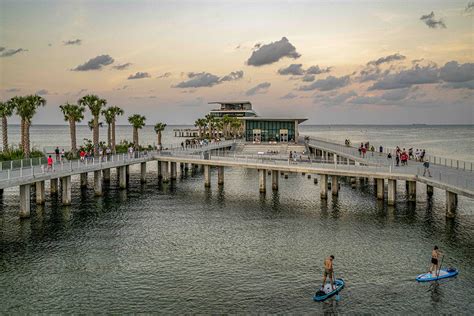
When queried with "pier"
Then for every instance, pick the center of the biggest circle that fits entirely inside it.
(329, 161)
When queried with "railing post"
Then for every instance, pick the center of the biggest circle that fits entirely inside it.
(21, 172)
(11, 165)
(31, 162)
(21, 163)
(8, 173)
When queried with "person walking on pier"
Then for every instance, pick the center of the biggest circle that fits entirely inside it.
(435, 256)
(328, 271)
(50, 164)
(380, 150)
(56, 151)
(426, 166)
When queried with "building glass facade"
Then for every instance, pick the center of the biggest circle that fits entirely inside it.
(269, 131)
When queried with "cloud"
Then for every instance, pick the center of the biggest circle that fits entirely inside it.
(289, 96)
(371, 73)
(431, 22)
(234, 75)
(407, 78)
(139, 75)
(10, 52)
(327, 84)
(333, 98)
(469, 7)
(261, 88)
(165, 75)
(122, 88)
(73, 42)
(269, 53)
(95, 63)
(315, 70)
(293, 69)
(396, 94)
(309, 78)
(122, 66)
(13, 90)
(42, 92)
(205, 79)
(453, 72)
(365, 100)
(460, 85)
(386, 59)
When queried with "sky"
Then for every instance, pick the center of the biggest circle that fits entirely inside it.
(333, 62)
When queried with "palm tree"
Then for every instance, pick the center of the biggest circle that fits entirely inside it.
(137, 121)
(95, 105)
(111, 114)
(200, 124)
(6, 110)
(226, 120)
(26, 109)
(210, 120)
(159, 127)
(236, 126)
(73, 114)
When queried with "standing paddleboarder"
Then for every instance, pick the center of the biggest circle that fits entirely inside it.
(328, 271)
(435, 255)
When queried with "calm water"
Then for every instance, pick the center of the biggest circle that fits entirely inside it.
(185, 249)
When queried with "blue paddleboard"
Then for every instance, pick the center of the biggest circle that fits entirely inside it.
(443, 274)
(321, 295)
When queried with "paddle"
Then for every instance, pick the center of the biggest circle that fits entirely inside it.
(437, 272)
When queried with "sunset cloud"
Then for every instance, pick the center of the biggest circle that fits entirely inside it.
(329, 83)
(95, 63)
(269, 53)
(4, 52)
(73, 42)
(431, 22)
(139, 75)
(261, 88)
(122, 66)
(205, 79)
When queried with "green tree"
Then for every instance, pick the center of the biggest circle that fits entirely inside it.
(73, 114)
(6, 110)
(110, 115)
(159, 128)
(226, 121)
(200, 124)
(26, 108)
(95, 105)
(137, 121)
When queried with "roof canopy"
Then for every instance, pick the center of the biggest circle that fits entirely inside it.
(278, 119)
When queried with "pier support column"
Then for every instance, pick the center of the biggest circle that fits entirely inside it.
(66, 190)
(323, 184)
(84, 180)
(353, 182)
(98, 183)
(207, 176)
(411, 194)
(40, 192)
(173, 170)
(335, 185)
(275, 180)
(392, 191)
(262, 180)
(429, 190)
(220, 175)
(106, 174)
(160, 171)
(451, 204)
(53, 186)
(143, 172)
(122, 175)
(25, 200)
(380, 184)
(165, 171)
(127, 170)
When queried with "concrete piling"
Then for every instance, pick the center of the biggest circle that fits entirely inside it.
(380, 185)
(335, 185)
(143, 172)
(83, 180)
(429, 190)
(122, 176)
(25, 200)
(98, 183)
(411, 192)
(262, 181)
(220, 175)
(275, 180)
(392, 191)
(324, 185)
(165, 171)
(451, 204)
(173, 170)
(53, 186)
(40, 192)
(66, 190)
(106, 175)
(207, 176)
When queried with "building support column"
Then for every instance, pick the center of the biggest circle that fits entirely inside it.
(275, 180)
(25, 200)
(143, 172)
(429, 190)
(173, 170)
(220, 175)
(98, 183)
(207, 176)
(122, 175)
(411, 194)
(53, 186)
(84, 180)
(262, 181)
(40, 192)
(165, 171)
(160, 171)
(323, 184)
(106, 174)
(66, 190)
(451, 204)
(392, 191)
(335, 184)
(380, 184)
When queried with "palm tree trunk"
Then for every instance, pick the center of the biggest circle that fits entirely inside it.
(72, 130)
(22, 134)
(26, 145)
(135, 138)
(113, 136)
(159, 138)
(96, 136)
(5, 133)
(109, 134)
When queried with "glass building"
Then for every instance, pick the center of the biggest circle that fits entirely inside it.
(266, 129)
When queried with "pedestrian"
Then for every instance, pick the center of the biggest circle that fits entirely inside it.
(426, 164)
(63, 154)
(372, 149)
(82, 155)
(50, 163)
(56, 151)
(380, 150)
(364, 150)
(397, 160)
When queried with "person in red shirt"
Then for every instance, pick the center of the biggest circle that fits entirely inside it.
(50, 163)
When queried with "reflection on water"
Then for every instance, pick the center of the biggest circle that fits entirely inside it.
(183, 248)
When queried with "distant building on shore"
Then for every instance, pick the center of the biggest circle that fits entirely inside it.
(233, 109)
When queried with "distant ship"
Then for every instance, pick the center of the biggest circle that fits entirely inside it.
(235, 109)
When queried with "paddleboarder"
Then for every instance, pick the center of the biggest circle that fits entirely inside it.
(328, 271)
(435, 256)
